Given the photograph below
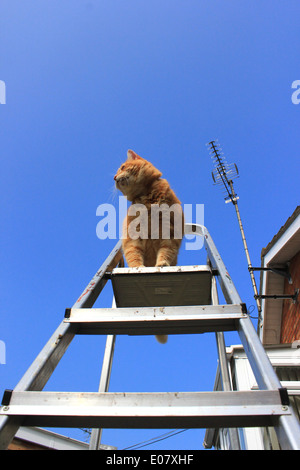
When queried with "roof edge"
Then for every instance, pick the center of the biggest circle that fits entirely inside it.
(282, 230)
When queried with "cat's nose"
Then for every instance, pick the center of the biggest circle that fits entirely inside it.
(119, 179)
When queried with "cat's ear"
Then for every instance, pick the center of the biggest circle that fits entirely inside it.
(131, 155)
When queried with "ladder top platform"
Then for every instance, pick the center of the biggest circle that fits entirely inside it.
(163, 286)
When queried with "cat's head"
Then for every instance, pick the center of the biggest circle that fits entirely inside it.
(134, 177)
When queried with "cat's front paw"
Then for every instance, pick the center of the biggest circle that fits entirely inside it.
(162, 264)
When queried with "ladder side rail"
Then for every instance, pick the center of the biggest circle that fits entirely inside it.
(288, 429)
(37, 375)
(92, 291)
(228, 288)
(41, 369)
(259, 361)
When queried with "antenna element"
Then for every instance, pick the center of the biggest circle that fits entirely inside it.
(224, 173)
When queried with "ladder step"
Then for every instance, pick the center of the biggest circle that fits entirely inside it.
(146, 410)
(165, 286)
(155, 320)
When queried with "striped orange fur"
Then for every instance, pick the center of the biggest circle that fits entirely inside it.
(141, 182)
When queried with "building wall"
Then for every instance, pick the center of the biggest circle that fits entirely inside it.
(290, 326)
(20, 444)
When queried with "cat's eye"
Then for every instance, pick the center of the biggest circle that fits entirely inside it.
(122, 167)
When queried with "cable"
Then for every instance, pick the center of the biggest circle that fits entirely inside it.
(161, 437)
(249, 312)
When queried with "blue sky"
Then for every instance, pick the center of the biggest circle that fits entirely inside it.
(86, 80)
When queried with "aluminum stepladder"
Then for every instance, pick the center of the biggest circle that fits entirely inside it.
(28, 405)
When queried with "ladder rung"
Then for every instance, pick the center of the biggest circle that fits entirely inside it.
(147, 410)
(155, 320)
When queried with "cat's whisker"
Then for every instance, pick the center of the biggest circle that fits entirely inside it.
(113, 193)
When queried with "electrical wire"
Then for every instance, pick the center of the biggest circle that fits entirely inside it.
(161, 437)
(250, 311)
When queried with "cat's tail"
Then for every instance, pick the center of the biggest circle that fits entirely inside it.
(162, 338)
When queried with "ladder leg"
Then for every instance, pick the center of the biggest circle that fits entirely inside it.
(223, 364)
(226, 382)
(104, 385)
(288, 432)
(261, 366)
(104, 381)
(37, 376)
(43, 366)
(233, 432)
(8, 428)
(288, 429)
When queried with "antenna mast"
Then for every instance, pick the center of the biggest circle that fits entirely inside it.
(223, 174)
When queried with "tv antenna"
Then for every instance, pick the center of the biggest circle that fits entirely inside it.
(224, 174)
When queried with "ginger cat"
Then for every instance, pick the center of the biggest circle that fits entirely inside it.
(153, 228)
